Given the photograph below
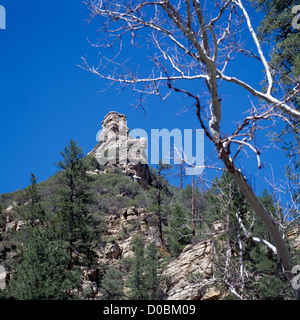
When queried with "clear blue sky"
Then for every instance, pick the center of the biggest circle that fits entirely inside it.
(46, 99)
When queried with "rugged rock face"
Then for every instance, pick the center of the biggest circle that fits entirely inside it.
(116, 148)
(294, 237)
(189, 277)
(123, 225)
(191, 274)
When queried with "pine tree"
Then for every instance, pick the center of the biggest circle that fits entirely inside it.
(33, 211)
(241, 260)
(40, 271)
(193, 200)
(276, 27)
(152, 273)
(181, 172)
(158, 196)
(193, 210)
(179, 234)
(145, 282)
(75, 223)
(136, 283)
(112, 284)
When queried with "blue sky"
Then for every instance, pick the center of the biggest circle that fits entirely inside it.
(46, 99)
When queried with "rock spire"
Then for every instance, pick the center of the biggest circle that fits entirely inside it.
(115, 148)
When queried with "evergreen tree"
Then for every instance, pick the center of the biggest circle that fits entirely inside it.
(265, 279)
(75, 223)
(152, 276)
(195, 200)
(179, 234)
(159, 191)
(33, 212)
(292, 150)
(40, 271)
(276, 27)
(112, 284)
(136, 283)
(181, 172)
(145, 282)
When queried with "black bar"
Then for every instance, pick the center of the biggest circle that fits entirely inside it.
(144, 309)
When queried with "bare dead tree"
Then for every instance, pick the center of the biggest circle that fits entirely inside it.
(181, 173)
(188, 41)
(193, 209)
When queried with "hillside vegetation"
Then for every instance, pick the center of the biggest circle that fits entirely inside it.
(91, 232)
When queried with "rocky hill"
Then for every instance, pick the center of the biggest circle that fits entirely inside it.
(193, 261)
(190, 265)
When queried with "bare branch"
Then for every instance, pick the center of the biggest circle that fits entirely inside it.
(268, 98)
(258, 46)
(249, 235)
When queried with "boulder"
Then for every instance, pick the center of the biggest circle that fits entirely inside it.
(112, 251)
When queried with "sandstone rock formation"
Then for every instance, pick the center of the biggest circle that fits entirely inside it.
(191, 274)
(116, 148)
(189, 277)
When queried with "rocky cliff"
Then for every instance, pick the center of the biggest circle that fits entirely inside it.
(115, 148)
(189, 277)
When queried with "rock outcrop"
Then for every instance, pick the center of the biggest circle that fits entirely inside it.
(191, 274)
(189, 277)
(116, 148)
